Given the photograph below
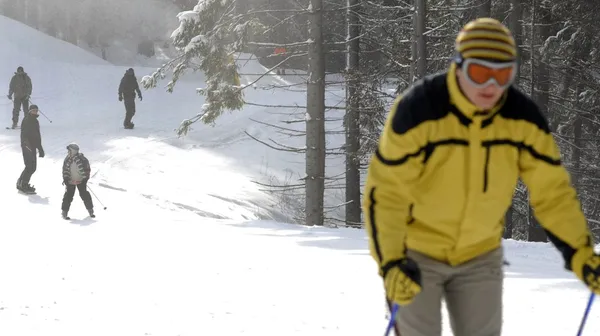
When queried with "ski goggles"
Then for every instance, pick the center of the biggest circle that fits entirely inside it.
(480, 73)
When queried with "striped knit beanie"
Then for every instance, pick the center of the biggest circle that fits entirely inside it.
(486, 38)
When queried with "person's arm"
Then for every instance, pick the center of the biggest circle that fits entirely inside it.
(552, 197)
(36, 139)
(11, 87)
(29, 85)
(26, 134)
(86, 168)
(121, 88)
(65, 171)
(137, 89)
(392, 172)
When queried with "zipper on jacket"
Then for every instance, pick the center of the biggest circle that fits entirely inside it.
(486, 168)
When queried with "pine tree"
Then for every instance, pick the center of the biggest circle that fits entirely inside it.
(208, 37)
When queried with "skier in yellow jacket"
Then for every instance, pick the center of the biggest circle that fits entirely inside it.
(443, 177)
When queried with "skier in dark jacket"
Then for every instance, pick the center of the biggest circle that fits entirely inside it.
(31, 140)
(20, 86)
(127, 89)
(76, 173)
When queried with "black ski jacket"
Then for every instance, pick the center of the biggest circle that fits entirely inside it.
(129, 86)
(20, 85)
(30, 133)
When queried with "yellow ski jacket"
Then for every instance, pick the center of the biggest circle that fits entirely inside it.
(444, 175)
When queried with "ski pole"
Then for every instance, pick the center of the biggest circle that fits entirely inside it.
(586, 313)
(45, 116)
(90, 189)
(31, 102)
(392, 322)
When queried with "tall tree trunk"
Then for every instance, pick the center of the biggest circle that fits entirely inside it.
(516, 14)
(420, 22)
(315, 125)
(485, 8)
(581, 53)
(353, 209)
(414, 52)
(542, 92)
(577, 149)
(514, 23)
(508, 223)
(540, 86)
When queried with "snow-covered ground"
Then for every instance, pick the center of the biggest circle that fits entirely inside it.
(189, 244)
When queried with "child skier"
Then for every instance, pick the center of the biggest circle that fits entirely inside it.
(76, 173)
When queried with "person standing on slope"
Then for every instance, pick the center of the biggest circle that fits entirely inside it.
(76, 173)
(31, 140)
(20, 86)
(127, 90)
(443, 177)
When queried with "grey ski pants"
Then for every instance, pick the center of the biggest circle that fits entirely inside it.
(472, 292)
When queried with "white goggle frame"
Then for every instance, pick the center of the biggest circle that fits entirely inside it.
(491, 65)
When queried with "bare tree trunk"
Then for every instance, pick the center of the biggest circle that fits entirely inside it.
(414, 53)
(540, 80)
(516, 14)
(420, 21)
(508, 223)
(485, 8)
(576, 159)
(353, 209)
(542, 94)
(515, 26)
(315, 125)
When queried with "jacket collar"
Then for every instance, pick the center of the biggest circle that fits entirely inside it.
(462, 103)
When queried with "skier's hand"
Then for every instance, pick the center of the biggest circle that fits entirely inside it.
(586, 265)
(9, 97)
(402, 281)
(140, 98)
(41, 152)
(120, 98)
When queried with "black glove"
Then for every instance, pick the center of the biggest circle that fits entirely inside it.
(64, 182)
(120, 98)
(41, 151)
(140, 98)
(9, 97)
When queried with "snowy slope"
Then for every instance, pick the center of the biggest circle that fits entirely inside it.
(23, 44)
(183, 248)
(79, 94)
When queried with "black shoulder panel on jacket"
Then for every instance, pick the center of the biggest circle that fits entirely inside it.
(427, 100)
(519, 106)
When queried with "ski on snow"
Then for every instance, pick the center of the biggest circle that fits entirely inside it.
(69, 218)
